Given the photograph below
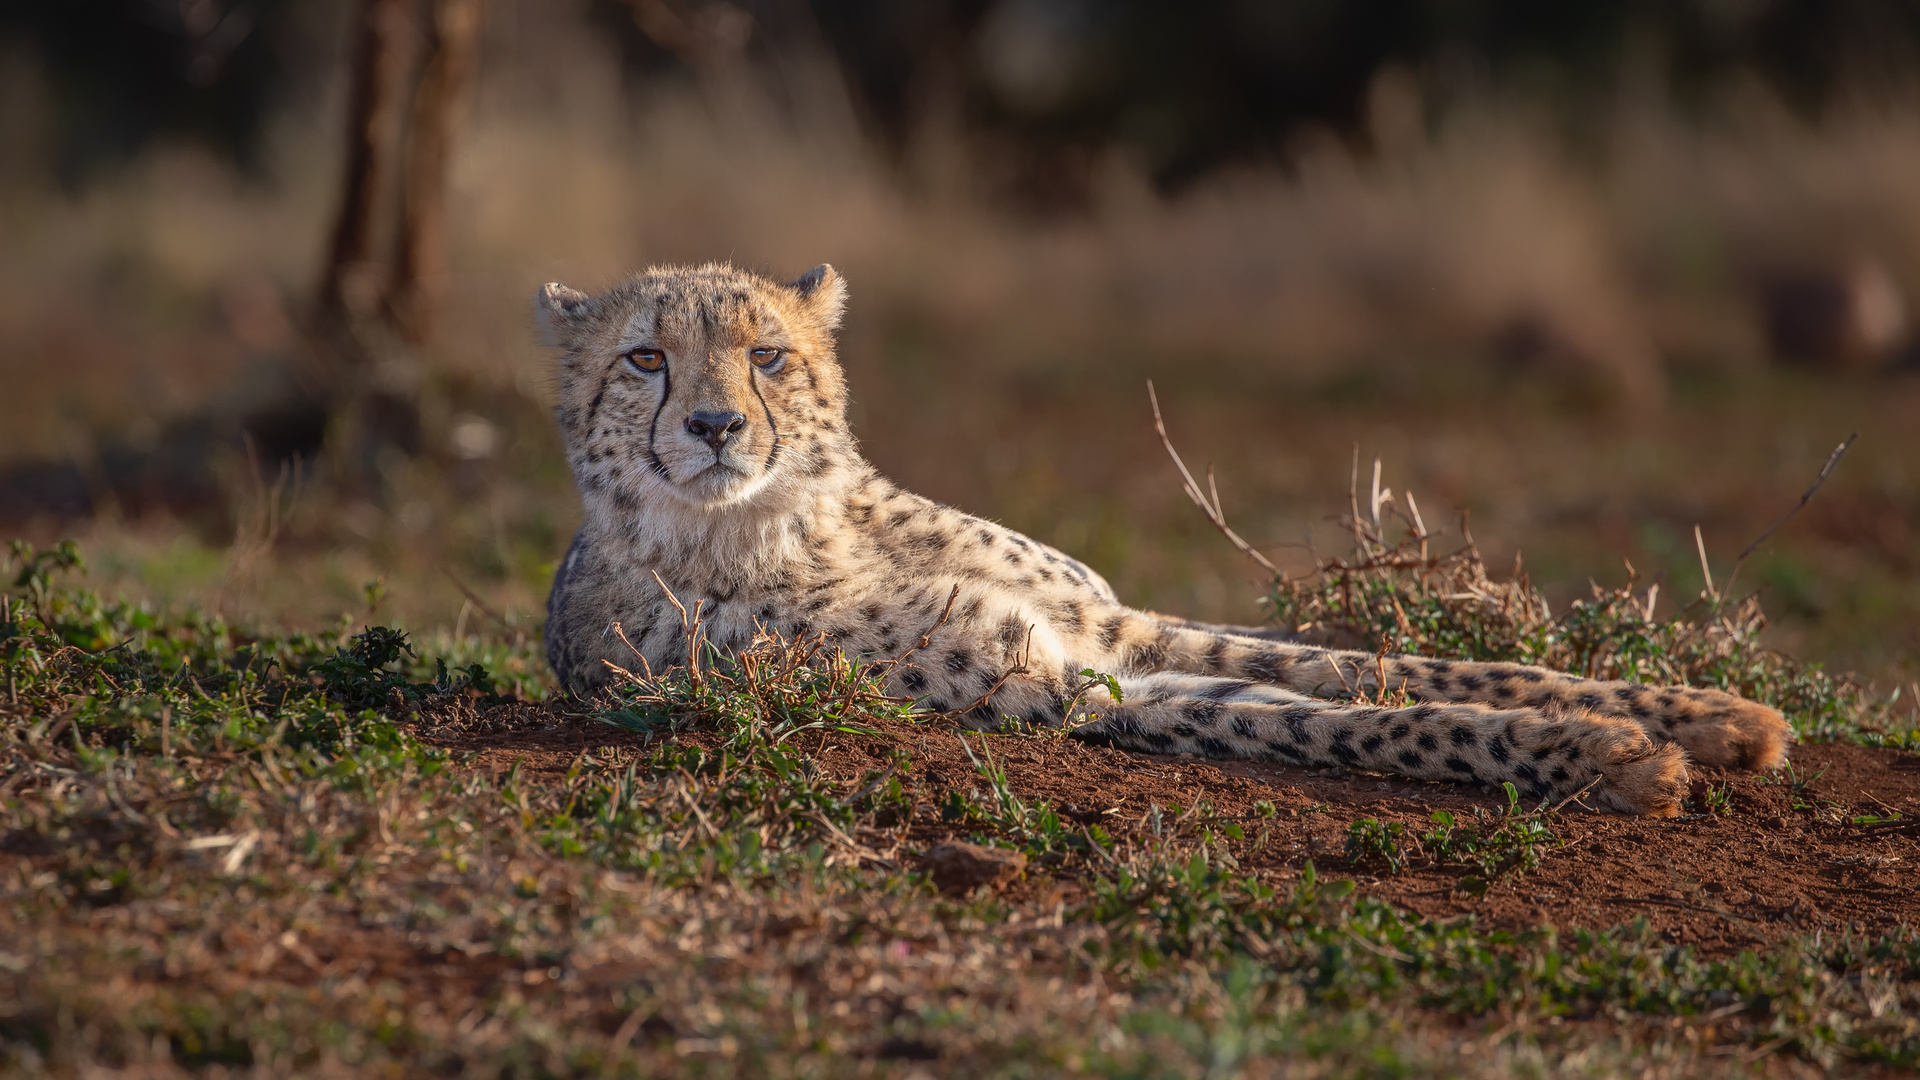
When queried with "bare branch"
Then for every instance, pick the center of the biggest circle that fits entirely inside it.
(926, 639)
(1706, 572)
(1353, 499)
(1825, 470)
(1192, 488)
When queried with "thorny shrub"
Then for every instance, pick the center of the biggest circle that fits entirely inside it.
(1399, 598)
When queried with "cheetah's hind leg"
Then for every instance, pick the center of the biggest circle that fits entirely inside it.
(1548, 759)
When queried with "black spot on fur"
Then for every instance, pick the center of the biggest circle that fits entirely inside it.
(929, 543)
(958, 662)
(1287, 751)
(1527, 772)
(1110, 630)
(1399, 731)
(1372, 743)
(1213, 747)
(1072, 616)
(1461, 735)
(1588, 701)
(1266, 666)
(1426, 741)
(1471, 683)
(1202, 712)
(1224, 691)
(1459, 765)
(1497, 749)
(1216, 655)
(913, 681)
(1149, 656)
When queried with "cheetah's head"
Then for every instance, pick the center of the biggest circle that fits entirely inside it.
(710, 386)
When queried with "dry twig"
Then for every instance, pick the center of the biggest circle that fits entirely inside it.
(1825, 470)
(1211, 508)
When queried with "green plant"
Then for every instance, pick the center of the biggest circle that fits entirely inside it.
(1798, 783)
(1368, 840)
(1512, 842)
(1396, 596)
(1719, 799)
(204, 825)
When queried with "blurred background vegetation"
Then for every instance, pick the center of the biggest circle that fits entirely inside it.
(1597, 273)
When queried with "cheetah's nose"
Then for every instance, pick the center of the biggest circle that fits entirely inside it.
(715, 428)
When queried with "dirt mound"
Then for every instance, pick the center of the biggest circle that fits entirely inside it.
(1813, 849)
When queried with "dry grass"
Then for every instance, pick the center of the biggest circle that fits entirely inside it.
(230, 853)
(1564, 339)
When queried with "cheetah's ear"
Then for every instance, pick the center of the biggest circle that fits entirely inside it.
(825, 292)
(560, 311)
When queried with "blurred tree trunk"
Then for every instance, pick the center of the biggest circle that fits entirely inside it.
(413, 65)
(380, 63)
(419, 281)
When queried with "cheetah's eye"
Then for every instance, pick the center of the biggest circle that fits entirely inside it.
(767, 358)
(648, 360)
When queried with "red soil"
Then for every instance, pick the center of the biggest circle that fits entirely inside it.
(1719, 883)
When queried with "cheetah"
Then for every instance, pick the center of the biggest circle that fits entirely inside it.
(703, 413)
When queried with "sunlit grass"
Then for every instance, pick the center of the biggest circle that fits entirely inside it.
(226, 847)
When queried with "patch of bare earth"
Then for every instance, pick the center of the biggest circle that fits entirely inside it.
(1787, 856)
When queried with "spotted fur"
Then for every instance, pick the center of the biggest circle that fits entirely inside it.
(781, 524)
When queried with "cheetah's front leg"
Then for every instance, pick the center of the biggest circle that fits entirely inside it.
(1714, 727)
(1547, 758)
